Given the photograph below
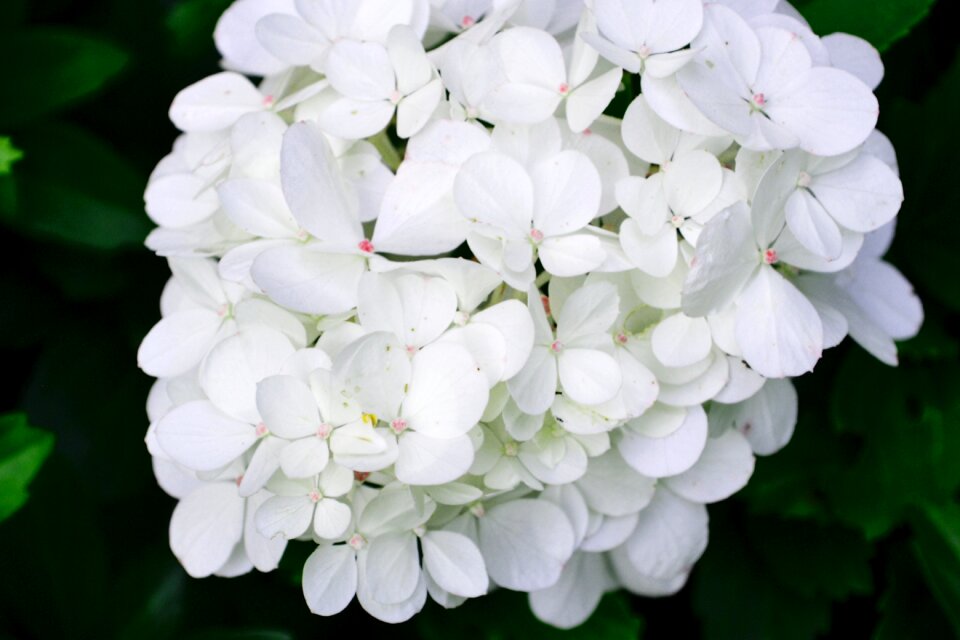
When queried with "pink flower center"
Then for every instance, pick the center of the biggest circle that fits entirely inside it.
(361, 476)
(268, 101)
(324, 430)
(643, 52)
(804, 180)
(564, 89)
(556, 346)
(622, 338)
(770, 256)
(676, 221)
(365, 245)
(223, 310)
(262, 430)
(315, 496)
(536, 235)
(239, 480)
(357, 541)
(468, 21)
(395, 97)
(398, 426)
(760, 100)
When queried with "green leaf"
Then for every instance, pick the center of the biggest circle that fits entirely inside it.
(881, 22)
(50, 68)
(506, 615)
(925, 136)
(937, 547)
(907, 609)
(191, 24)
(739, 595)
(23, 450)
(73, 188)
(908, 441)
(9, 154)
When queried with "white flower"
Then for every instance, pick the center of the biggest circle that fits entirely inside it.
(487, 347)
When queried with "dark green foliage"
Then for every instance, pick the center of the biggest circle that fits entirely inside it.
(852, 531)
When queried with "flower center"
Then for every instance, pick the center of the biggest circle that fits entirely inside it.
(770, 256)
(478, 510)
(324, 431)
(268, 101)
(677, 221)
(511, 449)
(643, 52)
(468, 21)
(556, 346)
(365, 245)
(361, 476)
(804, 180)
(461, 318)
(315, 496)
(395, 97)
(357, 542)
(758, 101)
(564, 89)
(621, 338)
(262, 430)
(223, 310)
(536, 235)
(398, 426)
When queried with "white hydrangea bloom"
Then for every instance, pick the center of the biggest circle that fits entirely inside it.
(436, 315)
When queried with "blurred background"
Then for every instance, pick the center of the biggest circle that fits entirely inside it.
(852, 531)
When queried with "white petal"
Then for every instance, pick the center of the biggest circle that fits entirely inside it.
(680, 341)
(180, 200)
(263, 464)
(576, 594)
(287, 407)
(513, 321)
(724, 468)
(330, 579)
(658, 455)
(590, 310)
(767, 419)
(855, 55)
(263, 552)
(215, 103)
(416, 308)
(257, 207)
(178, 342)
(454, 563)
(588, 376)
(355, 119)
(726, 257)
(588, 101)
(360, 70)
(654, 254)
(231, 371)
(495, 189)
(830, 111)
(374, 371)
(304, 458)
(812, 225)
(415, 111)
(777, 328)
(671, 535)
(862, 196)
(284, 516)
(392, 613)
(612, 488)
(535, 386)
(331, 518)
(571, 255)
(200, 437)
(567, 192)
(525, 543)
(392, 567)
(432, 461)
(447, 392)
(205, 527)
(314, 186)
(306, 279)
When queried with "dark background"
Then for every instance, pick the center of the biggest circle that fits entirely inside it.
(852, 531)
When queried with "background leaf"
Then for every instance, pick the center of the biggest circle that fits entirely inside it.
(22, 452)
(881, 22)
(50, 68)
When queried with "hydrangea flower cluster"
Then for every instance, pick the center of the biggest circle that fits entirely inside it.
(436, 315)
